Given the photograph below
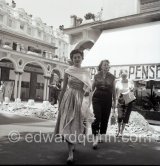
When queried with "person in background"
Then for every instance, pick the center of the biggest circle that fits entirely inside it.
(123, 85)
(52, 93)
(76, 85)
(58, 85)
(2, 91)
(104, 93)
(55, 89)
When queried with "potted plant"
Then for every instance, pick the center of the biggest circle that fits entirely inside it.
(90, 16)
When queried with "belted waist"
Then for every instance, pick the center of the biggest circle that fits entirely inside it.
(103, 88)
(76, 87)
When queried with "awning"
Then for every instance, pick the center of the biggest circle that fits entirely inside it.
(138, 44)
(135, 48)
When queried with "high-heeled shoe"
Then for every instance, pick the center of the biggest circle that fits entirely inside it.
(101, 138)
(119, 135)
(74, 148)
(95, 145)
(95, 142)
(70, 160)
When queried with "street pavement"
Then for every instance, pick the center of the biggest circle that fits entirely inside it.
(29, 141)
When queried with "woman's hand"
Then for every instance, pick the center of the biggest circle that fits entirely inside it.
(131, 89)
(86, 94)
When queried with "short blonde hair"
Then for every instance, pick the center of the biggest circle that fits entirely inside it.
(123, 71)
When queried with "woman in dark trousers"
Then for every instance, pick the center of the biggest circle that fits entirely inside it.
(104, 91)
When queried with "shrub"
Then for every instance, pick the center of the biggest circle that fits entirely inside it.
(89, 16)
(151, 101)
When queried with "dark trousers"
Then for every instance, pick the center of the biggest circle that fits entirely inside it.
(102, 111)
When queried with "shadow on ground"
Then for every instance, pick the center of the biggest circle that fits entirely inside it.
(12, 118)
(41, 148)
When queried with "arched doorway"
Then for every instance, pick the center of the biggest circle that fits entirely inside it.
(32, 85)
(7, 75)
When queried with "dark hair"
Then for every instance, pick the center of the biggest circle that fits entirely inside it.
(100, 65)
(76, 51)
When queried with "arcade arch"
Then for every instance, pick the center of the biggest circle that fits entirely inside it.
(7, 74)
(33, 81)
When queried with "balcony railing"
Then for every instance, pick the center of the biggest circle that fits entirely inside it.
(47, 56)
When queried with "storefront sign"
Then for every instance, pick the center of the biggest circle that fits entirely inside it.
(135, 72)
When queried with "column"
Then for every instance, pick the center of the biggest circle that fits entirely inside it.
(45, 88)
(47, 95)
(33, 86)
(19, 85)
(15, 85)
(18, 47)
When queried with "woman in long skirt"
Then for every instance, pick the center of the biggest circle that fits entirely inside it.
(76, 85)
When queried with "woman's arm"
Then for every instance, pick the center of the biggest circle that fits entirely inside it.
(65, 82)
(131, 86)
(93, 85)
(114, 94)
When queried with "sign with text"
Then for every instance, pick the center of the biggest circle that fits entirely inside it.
(135, 72)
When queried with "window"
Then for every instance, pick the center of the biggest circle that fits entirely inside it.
(1, 18)
(0, 42)
(44, 37)
(10, 23)
(38, 24)
(44, 53)
(7, 43)
(52, 40)
(20, 15)
(22, 26)
(39, 33)
(14, 46)
(29, 30)
(30, 48)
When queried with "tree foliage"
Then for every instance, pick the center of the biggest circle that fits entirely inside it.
(151, 101)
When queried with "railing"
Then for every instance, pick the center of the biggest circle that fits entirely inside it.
(6, 48)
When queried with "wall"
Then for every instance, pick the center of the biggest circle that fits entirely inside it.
(119, 8)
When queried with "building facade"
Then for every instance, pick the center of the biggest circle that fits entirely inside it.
(129, 40)
(32, 54)
(119, 13)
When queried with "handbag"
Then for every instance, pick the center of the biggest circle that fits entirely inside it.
(87, 110)
(128, 97)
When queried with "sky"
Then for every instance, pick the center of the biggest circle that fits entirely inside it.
(58, 12)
